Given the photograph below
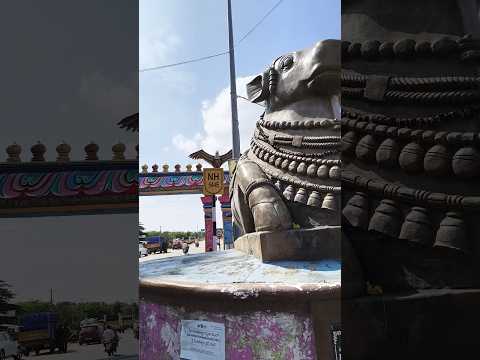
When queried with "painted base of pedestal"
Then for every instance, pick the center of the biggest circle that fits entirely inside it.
(276, 310)
(256, 335)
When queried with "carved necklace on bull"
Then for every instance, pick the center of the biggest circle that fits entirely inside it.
(411, 144)
(312, 155)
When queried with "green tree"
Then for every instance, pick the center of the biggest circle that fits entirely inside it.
(71, 314)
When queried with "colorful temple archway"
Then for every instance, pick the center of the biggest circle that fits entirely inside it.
(153, 183)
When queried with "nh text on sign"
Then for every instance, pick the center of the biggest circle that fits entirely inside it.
(213, 181)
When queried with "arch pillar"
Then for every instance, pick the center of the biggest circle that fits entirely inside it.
(209, 215)
(227, 220)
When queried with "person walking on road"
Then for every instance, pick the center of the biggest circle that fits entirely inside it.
(185, 247)
(110, 336)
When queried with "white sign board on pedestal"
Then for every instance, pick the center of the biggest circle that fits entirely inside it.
(202, 340)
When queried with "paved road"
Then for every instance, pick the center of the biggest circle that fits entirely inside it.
(127, 350)
(176, 252)
(179, 252)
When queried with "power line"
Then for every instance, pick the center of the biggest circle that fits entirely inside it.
(260, 21)
(184, 62)
(220, 53)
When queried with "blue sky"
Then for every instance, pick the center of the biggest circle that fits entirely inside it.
(187, 107)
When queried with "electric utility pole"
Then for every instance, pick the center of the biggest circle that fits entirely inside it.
(233, 87)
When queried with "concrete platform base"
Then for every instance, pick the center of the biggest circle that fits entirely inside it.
(278, 310)
(306, 244)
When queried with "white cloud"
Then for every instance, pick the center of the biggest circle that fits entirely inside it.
(159, 45)
(156, 46)
(216, 117)
(187, 145)
(108, 96)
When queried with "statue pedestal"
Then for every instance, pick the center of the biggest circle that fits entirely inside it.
(281, 309)
(310, 244)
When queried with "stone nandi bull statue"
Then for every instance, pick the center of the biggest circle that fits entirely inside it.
(290, 175)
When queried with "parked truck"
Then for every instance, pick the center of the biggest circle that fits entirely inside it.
(156, 244)
(91, 331)
(38, 332)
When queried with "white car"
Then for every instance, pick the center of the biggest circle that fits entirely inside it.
(141, 250)
(8, 346)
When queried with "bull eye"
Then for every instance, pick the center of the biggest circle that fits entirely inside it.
(286, 63)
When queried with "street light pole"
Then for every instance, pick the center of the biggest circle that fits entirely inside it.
(233, 87)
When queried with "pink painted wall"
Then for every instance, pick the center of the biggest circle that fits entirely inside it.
(249, 336)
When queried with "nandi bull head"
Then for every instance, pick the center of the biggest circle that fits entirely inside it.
(300, 75)
(298, 89)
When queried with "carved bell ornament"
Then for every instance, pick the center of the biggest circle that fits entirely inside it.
(330, 203)
(312, 170)
(292, 166)
(301, 196)
(417, 227)
(466, 162)
(366, 148)
(387, 153)
(348, 143)
(356, 210)
(288, 193)
(315, 199)
(452, 233)
(387, 219)
(334, 172)
(411, 158)
(302, 168)
(323, 171)
(437, 160)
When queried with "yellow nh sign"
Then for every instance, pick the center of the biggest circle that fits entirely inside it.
(213, 181)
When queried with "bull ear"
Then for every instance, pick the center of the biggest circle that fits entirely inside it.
(256, 90)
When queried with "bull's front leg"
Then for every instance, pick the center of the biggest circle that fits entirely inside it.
(258, 194)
